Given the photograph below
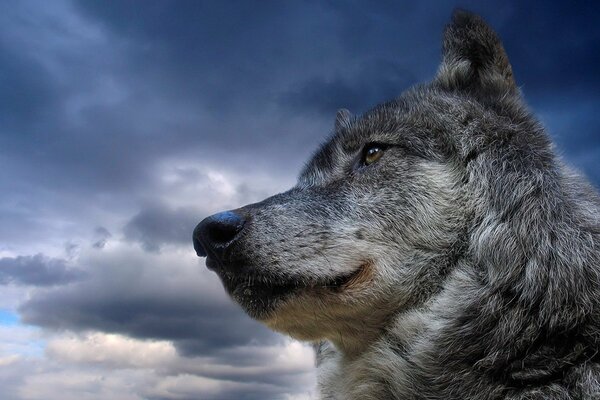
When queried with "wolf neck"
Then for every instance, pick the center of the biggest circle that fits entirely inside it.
(352, 341)
(523, 295)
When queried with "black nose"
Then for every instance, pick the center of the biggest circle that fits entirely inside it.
(214, 234)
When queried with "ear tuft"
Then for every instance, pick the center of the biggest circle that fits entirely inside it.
(343, 119)
(473, 56)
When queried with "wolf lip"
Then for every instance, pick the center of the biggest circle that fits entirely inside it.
(261, 295)
(257, 286)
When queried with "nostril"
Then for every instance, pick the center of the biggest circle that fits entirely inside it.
(220, 232)
(214, 233)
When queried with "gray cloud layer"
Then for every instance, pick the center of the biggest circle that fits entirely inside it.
(37, 270)
(158, 225)
(145, 296)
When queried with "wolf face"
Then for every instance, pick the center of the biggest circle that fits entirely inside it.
(436, 234)
(376, 220)
(372, 226)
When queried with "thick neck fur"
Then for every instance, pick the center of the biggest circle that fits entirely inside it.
(519, 314)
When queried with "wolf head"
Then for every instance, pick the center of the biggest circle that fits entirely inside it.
(388, 206)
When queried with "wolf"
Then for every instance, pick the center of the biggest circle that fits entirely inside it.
(435, 247)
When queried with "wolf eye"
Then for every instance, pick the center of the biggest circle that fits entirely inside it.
(372, 153)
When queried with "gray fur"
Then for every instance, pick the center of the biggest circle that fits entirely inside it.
(477, 250)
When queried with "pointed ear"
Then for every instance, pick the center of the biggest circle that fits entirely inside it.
(343, 119)
(473, 56)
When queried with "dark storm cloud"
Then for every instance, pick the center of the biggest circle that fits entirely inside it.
(372, 84)
(158, 225)
(247, 55)
(555, 49)
(49, 137)
(576, 131)
(169, 64)
(37, 270)
(193, 324)
(132, 294)
(101, 236)
(217, 53)
(21, 76)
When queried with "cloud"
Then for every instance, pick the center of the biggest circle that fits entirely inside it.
(160, 312)
(72, 383)
(164, 222)
(26, 76)
(159, 225)
(373, 83)
(168, 296)
(554, 50)
(12, 374)
(37, 270)
(575, 131)
(17, 341)
(111, 350)
(271, 364)
(123, 126)
(98, 366)
(101, 236)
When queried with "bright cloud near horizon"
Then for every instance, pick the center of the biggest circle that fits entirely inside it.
(124, 123)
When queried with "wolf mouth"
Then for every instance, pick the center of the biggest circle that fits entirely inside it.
(270, 288)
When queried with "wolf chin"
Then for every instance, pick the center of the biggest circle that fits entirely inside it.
(433, 248)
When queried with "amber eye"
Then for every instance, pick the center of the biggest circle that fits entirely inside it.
(372, 153)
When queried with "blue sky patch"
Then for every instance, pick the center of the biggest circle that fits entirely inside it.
(8, 318)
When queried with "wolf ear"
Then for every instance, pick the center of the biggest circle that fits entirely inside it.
(343, 119)
(473, 56)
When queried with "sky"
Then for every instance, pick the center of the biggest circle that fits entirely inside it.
(125, 123)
